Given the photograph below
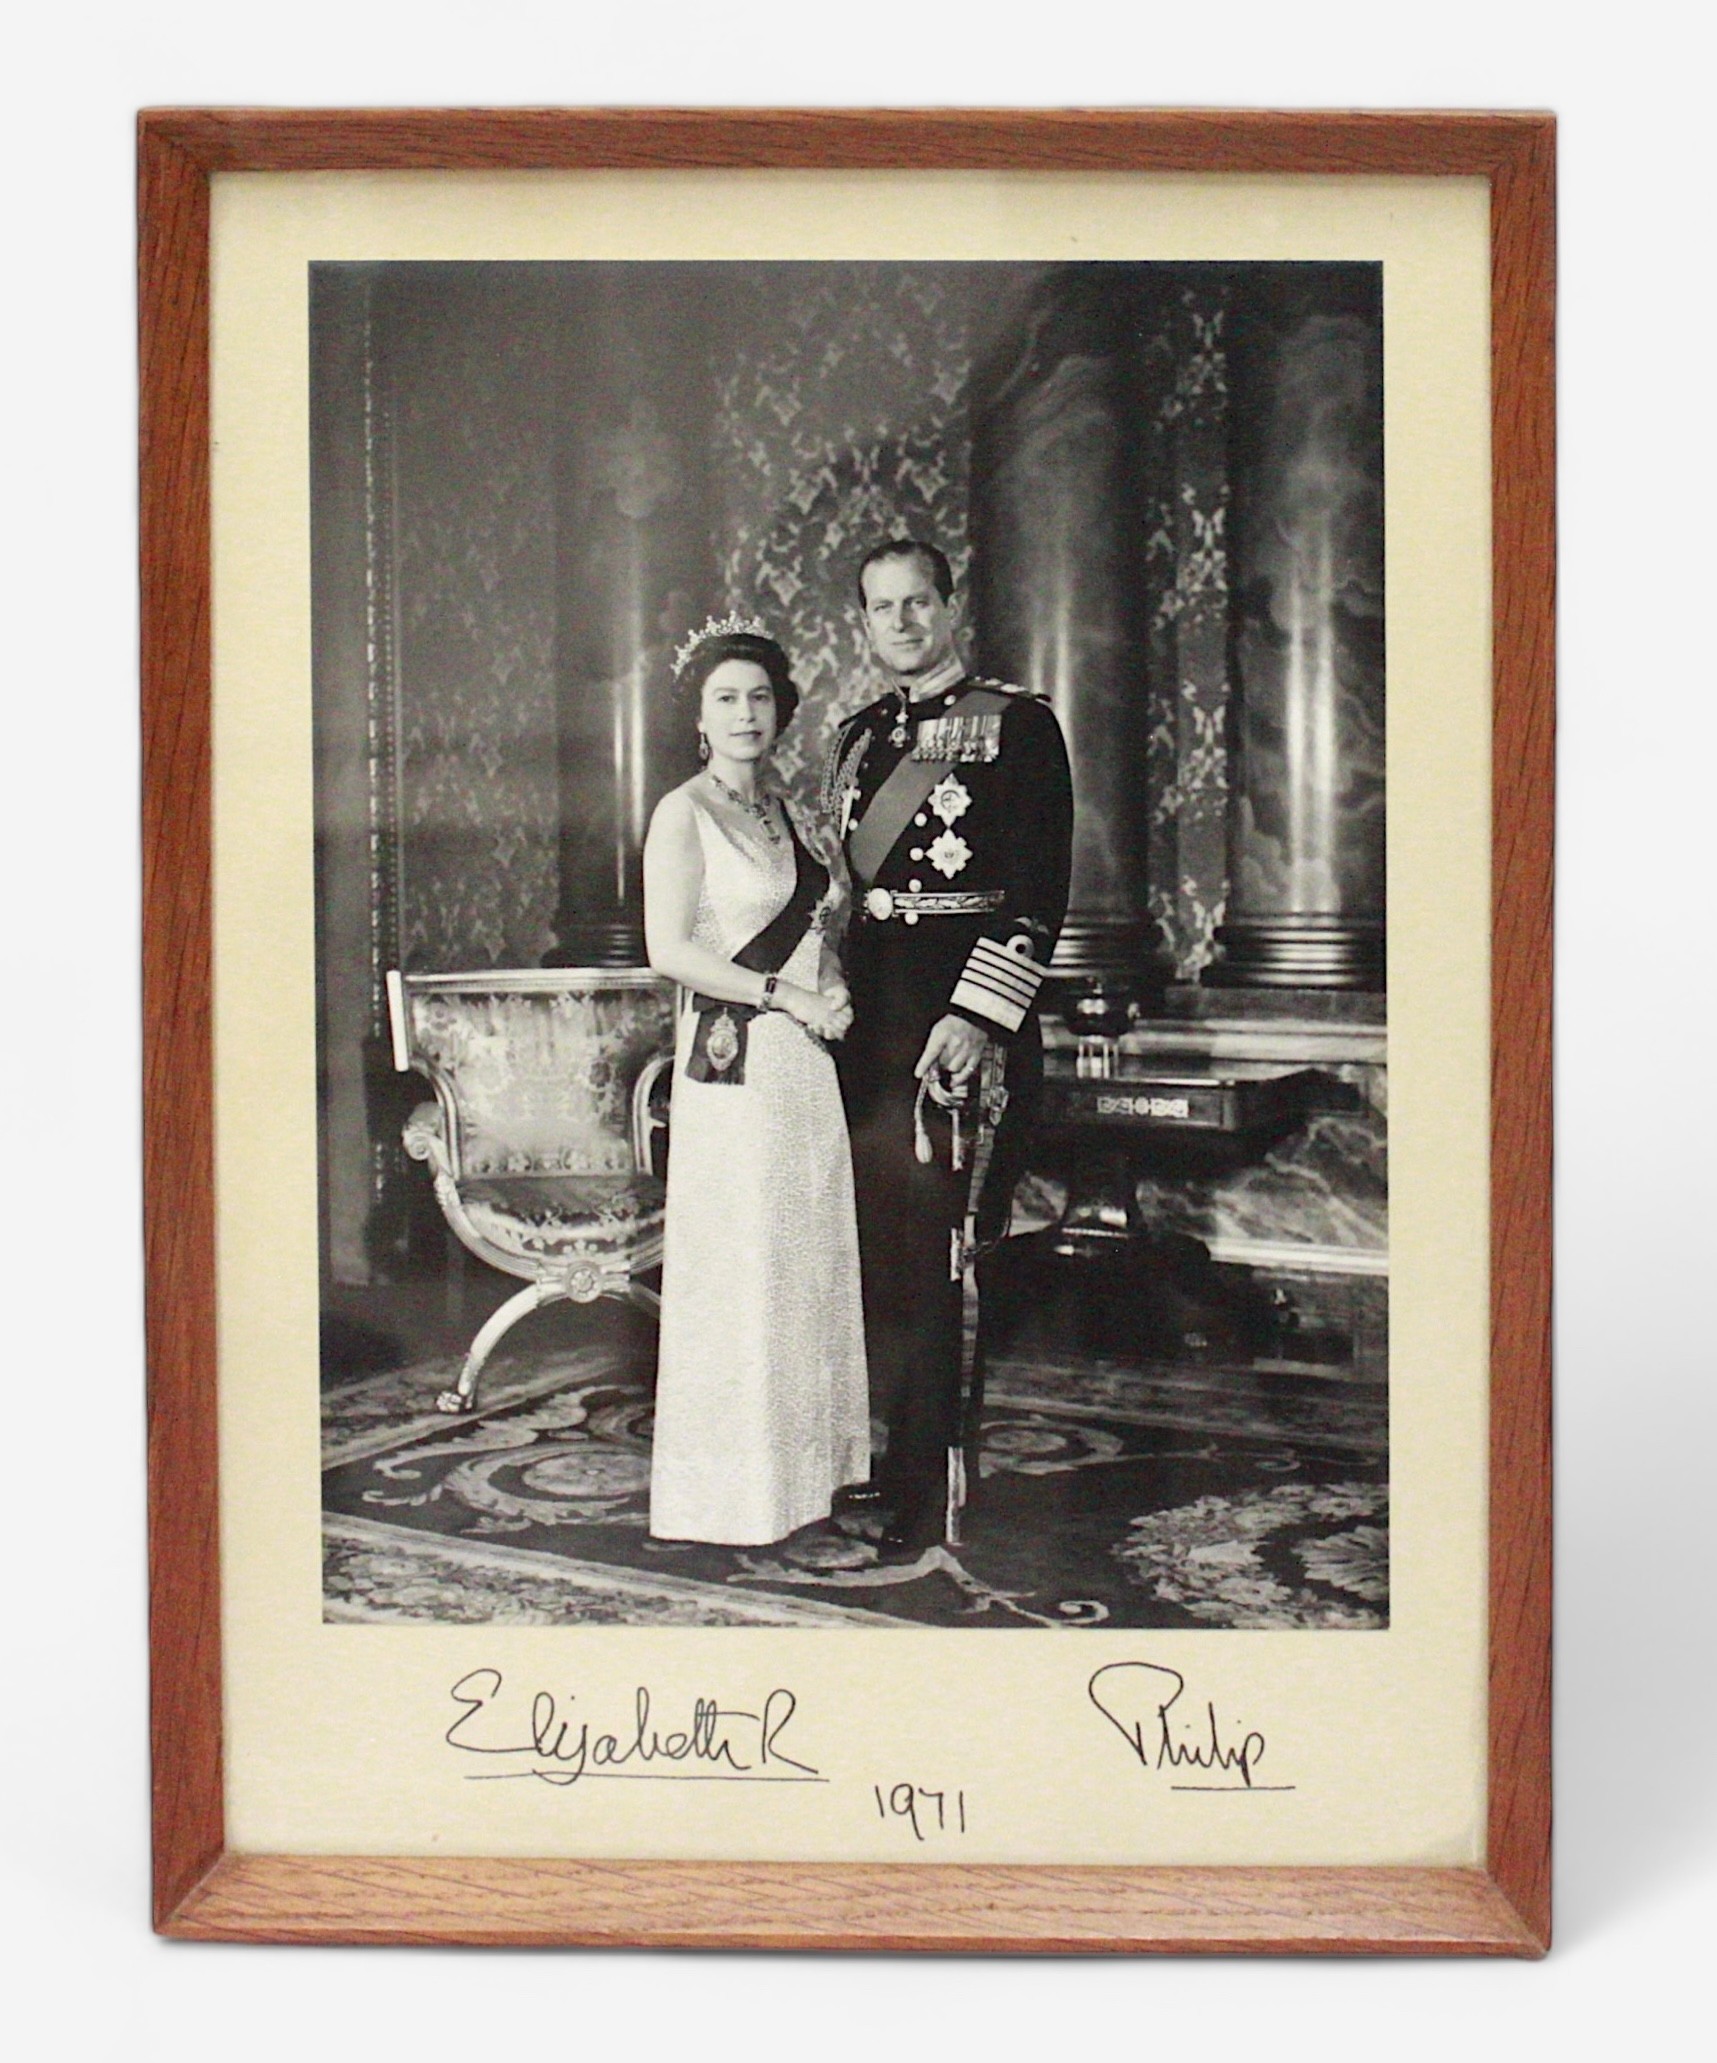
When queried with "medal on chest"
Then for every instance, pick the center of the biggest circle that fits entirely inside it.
(964, 740)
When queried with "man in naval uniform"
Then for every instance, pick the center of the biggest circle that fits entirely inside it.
(954, 804)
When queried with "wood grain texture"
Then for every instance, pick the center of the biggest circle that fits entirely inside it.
(203, 1893)
(858, 1906)
(1523, 462)
(945, 139)
(178, 1073)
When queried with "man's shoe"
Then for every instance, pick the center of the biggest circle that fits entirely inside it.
(903, 1541)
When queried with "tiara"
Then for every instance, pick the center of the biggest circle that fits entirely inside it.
(717, 627)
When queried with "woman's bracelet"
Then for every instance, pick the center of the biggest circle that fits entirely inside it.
(770, 983)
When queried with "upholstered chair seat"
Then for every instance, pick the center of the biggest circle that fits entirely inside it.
(541, 1216)
(543, 1136)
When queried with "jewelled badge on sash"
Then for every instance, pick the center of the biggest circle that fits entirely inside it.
(723, 1047)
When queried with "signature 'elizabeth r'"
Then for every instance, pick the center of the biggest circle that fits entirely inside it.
(716, 1743)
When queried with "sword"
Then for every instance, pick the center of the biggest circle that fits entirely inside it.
(963, 1256)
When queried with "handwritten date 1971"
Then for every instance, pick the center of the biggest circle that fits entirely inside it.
(925, 1812)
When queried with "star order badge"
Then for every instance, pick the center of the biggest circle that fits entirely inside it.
(950, 798)
(949, 854)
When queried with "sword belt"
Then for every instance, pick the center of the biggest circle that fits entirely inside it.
(880, 904)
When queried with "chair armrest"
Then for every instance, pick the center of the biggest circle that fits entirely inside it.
(399, 1035)
(425, 1138)
(645, 1123)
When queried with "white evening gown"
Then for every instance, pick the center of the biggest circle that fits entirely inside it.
(762, 1401)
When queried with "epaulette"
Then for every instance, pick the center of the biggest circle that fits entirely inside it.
(882, 706)
(984, 680)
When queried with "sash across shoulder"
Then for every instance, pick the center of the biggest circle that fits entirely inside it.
(719, 1040)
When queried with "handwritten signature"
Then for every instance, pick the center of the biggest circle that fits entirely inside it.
(1139, 1699)
(717, 1743)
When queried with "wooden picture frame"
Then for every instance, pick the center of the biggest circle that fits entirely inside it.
(204, 1891)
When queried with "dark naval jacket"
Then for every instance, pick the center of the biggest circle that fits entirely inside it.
(960, 876)
(977, 876)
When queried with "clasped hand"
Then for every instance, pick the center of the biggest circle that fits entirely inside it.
(825, 1013)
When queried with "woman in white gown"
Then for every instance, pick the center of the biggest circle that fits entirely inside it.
(762, 1408)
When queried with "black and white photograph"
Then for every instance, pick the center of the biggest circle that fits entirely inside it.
(852, 1068)
(418, 451)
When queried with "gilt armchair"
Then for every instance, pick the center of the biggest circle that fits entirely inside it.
(543, 1134)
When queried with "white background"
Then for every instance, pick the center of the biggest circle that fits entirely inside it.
(1637, 1682)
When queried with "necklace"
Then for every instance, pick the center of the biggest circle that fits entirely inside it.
(759, 811)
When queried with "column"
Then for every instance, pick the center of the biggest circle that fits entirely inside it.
(635, 572)
(1059, 533)
(1306, 824)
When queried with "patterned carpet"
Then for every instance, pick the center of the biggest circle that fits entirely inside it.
(1111, 1495)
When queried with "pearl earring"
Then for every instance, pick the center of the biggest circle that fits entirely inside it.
(703, 747)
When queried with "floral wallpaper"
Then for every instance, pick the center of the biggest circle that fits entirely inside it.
(840, 419)
(474, 532)
(1187, 556)
(840, 415)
